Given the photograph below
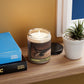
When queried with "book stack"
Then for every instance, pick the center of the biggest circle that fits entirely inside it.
(11, 59)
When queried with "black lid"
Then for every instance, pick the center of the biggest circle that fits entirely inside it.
(56, 48)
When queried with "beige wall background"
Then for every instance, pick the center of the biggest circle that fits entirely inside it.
(18, 16)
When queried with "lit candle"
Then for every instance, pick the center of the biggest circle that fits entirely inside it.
(39, 45)
(38, 35)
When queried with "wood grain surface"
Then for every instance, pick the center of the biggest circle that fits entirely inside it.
(58, 66)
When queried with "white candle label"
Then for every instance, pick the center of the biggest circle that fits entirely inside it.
(39, 52)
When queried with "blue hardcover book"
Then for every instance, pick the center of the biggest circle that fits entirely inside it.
(9, 50)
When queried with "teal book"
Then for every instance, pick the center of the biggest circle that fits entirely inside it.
(9, 50)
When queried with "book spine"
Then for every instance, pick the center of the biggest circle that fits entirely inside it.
(13, 67)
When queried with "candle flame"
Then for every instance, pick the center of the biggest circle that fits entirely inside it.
(39, 32)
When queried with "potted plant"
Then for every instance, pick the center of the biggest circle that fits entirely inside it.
(73, 40)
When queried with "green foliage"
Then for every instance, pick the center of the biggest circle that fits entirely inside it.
(76, 32)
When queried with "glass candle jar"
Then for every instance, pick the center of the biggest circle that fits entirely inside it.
(39, 45)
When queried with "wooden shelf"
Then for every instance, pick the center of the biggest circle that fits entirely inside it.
(59, 66)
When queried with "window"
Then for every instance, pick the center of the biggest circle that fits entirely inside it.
(67, 12)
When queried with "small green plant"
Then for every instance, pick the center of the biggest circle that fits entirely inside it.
(76, 32)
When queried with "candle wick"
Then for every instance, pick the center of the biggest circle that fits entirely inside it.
(39, 32)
